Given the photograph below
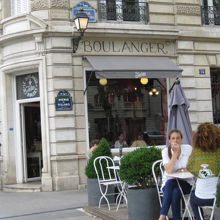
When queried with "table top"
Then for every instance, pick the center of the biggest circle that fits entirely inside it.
(181, 175)
(114, 167)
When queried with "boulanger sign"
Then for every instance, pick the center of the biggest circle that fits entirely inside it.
(126, 47)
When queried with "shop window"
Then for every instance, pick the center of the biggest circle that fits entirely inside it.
(19, 7)
(215, 85)
(126, 106)
(123, 10)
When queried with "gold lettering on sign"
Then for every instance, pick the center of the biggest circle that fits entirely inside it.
(127, 47)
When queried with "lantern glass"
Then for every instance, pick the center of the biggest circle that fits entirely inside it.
(81, 21)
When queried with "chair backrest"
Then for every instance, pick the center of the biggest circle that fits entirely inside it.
(157, 171)
(104, 169)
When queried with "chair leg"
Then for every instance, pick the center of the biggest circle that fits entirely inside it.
(200, 213)
(121, 194)
(104, 195)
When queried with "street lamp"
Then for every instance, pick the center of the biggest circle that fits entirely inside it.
(81, 22)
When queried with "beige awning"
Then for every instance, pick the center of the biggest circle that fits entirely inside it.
(124, 67)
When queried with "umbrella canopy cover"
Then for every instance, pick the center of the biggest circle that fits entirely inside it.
(178, 114)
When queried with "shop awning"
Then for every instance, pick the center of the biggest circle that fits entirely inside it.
(124, 67)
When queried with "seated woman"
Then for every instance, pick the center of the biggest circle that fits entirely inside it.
(175, 158)
(139, 142)
(204, 163)
(94, 144)
(121, 142)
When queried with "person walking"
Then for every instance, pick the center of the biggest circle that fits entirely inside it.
(204, 163)
(175, 158)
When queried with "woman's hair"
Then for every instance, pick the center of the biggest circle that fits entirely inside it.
(169, 135)
(95, 141)
(207, 137)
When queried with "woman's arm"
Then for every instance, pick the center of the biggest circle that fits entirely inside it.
(170, 165)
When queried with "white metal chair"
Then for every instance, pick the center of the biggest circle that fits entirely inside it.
(158, 179)
(158, 166)
(211, 208)
(107, 176)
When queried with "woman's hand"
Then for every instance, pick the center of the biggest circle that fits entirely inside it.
(181, 170)
(175, 148)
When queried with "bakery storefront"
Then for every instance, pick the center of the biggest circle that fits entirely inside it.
(126, 88)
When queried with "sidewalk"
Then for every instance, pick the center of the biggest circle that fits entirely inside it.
(65, 205)
(105, 214)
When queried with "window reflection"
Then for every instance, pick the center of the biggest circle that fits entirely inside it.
(125, 106)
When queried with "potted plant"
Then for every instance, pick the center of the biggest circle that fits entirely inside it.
(94, 194)
(135, 169)
(217, 206)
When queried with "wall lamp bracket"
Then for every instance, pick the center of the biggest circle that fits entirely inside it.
(76, 42)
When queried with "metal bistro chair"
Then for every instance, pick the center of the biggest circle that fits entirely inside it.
(107, 176)
(158, 179)
(211, 208)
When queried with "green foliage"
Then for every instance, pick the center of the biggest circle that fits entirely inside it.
(218, 196)
(136, 167)
(103, 149)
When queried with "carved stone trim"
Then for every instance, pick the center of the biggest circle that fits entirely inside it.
(188, 10)
(60, 4)
(39, 5)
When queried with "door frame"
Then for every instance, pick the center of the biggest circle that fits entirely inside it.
(20, 157)
(24, 147)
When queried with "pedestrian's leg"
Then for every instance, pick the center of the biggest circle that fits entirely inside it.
(196, 202)
(167, 197)
(176, 198)
(175, 204)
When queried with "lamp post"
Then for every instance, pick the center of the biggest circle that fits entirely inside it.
(81, 22)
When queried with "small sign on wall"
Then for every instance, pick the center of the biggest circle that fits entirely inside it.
(201, 71)
(63, 101)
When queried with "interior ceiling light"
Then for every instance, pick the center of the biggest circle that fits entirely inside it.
(144, 81)
(103, 81)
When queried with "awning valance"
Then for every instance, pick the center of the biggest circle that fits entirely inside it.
(124, 67)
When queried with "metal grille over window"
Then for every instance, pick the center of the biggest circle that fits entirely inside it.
(215, 84)
(27, 86)
(210, 12)
(123, 10)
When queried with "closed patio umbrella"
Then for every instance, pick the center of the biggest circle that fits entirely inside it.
(178, 113)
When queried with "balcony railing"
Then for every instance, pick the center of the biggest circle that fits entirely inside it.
(210, 15)
(123, 10)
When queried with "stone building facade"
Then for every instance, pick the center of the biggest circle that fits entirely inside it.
(37, 60)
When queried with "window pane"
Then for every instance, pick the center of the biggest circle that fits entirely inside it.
(124, 106)
(131, 10)
(27, 86)
(111, 9)
(215, 85)
(19, 6)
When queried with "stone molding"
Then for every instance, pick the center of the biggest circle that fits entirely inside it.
(39, 5)
(46, 4)
(60, 4)
(187, 10)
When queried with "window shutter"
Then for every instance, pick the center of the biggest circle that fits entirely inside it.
(19, 6)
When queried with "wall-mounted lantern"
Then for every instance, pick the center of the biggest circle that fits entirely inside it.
(81, 22)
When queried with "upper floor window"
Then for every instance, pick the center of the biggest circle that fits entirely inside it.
(123, 10)
(215, 85)
(210, 12)
(19, 7)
